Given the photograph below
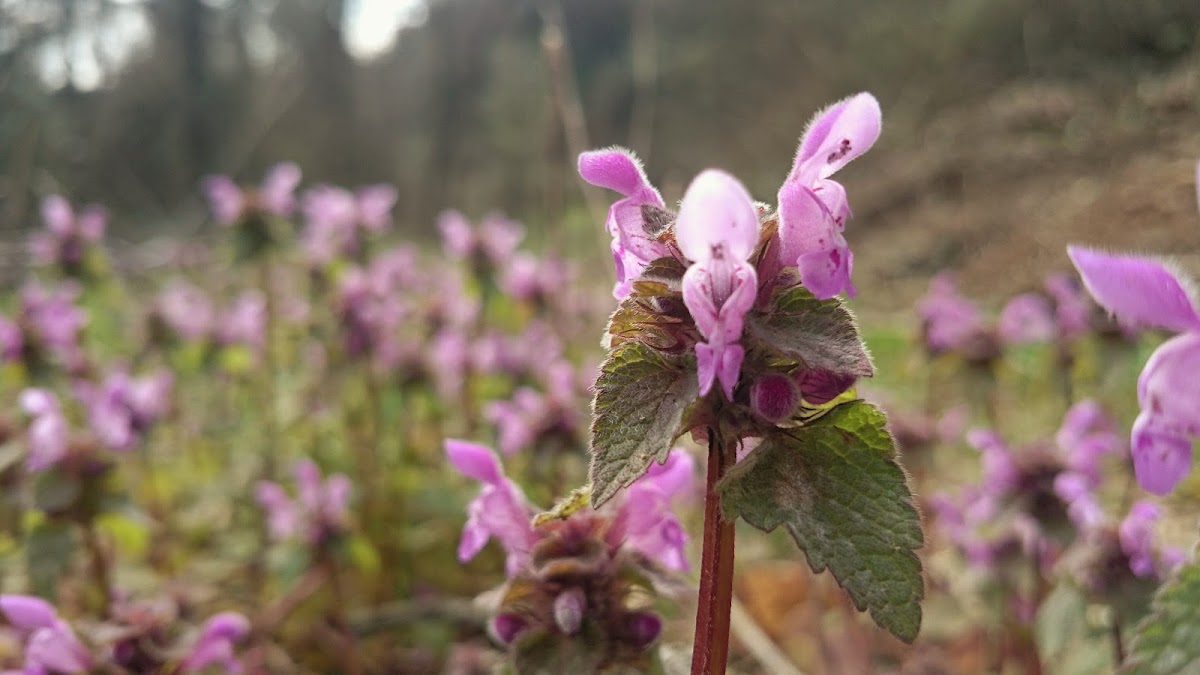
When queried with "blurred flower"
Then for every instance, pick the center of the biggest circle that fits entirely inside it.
(54, 322)
(186, 310)
(493, 243)
(716, 230)
(50, 644)
(950, 322)
(334, 216)
(531, 415)
(122, 408)
(12, 342)
(319, 511)
(276, 195)
(245, 321)
(48, 435)
(65, 239)
(1072, 308)
(215, 645)
(813, 209)
(1146, 293)
(1027, 318)
(641, 518)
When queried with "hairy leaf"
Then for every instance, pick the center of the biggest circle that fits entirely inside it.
(639, 404)
(837, 488)
(820, 333)
(1167, 640)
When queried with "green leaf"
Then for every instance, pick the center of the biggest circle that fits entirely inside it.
(1168, 641)
(837, 488)
(48, 550)
(639, 404)
(55, 491)
(820, 333)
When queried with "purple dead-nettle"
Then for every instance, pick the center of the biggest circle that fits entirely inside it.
(577, 576)
(728, 327)
(1147, 293)
(717, 229)
(320, 511)
(277, 195)
(68, 235)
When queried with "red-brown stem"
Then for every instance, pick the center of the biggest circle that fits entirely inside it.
(711, 649)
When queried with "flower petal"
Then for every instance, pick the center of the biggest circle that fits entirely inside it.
(1161, 456)
(474, 460)
(835, 136)
(716, 211)
(1140, 291)
(616, 169)
(27, 613)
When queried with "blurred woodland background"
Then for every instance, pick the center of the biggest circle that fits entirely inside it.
(1011, 126)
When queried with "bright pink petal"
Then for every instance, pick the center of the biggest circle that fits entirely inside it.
(1161, 456)
(616, 169)
(837, 135)
(58, 215)
(1027, 318)
(225, 198)
(730, 368)
(717, 213)
(375, 204)
(27, 613)
(278, 188)
(475, 461)
(827, 273)
(1140, 291)
(672, 476)
(706, 367)
(1169, 386)
(92, 222)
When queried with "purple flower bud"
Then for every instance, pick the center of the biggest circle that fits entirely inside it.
(507, 626)
(819, 387)
(569, 608)
(774, 397)
(643, 628)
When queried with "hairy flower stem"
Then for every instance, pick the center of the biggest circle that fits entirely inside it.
(711, 648)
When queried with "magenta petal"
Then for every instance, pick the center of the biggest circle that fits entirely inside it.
(375, 204)
(827, 273)
(835, 136)
(278, 187)
(616, 169)
(673, 475)
(730, 369)
(26, 612)
(475, 461)
(1168, 385)
(1139, 291)
(57, 214)
(716, 211)
(225, 198)
(1161, 456)
(1027, 318)
(507, 626)
(58, 650)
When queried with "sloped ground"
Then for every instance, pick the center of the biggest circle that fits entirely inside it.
(995, 190)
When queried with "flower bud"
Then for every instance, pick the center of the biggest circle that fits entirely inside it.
(568, 610)
(506, 627)
(774, 397)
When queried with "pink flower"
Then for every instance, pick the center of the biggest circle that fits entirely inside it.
(276, 195)
(813, 209)
(186, 310)
(50, 644)
(500, 509)
(634, 245)
(717, 230)
(67, 235)
(48, 434)
(319, 511)
(1027, 318)
(215, 645)
(950, 321)
(1146, 293)
(644, 519)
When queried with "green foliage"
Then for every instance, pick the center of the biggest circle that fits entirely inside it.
(1168, 641)
(640, 400)
(821, 334)
(48, 550)
(838, 489)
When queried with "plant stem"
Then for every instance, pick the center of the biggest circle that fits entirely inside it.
(1117, 642)
(711, 649)
(101, 574)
